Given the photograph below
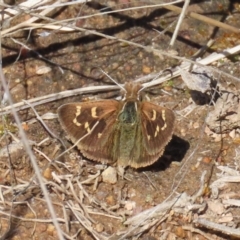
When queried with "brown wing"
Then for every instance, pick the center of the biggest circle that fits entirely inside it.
(157, 125)
(93, 123)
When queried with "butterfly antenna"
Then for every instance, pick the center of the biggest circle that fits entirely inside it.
(143, 87)
(113, 80)
(158, 75)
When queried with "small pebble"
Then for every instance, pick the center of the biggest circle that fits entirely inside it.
(99, 227)
(130, 205)
(206, 160)
(216, 207)
(110, 200)
(180, 232)
(183, 132)
(232, 134)
(50, 229)
(226, 219)
(146, 69)
(196, 125)
(168, 88)
(25, 126)
(109, 175)
(43, 70)
(48, 173)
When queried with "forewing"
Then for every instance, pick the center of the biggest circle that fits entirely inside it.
(152, 135)
(157, 127)
(93, 123)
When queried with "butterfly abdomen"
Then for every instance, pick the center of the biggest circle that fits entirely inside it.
(127, 133)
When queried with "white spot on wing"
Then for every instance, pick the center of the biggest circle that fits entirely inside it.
(164, 119)
(78, 112)
(154, 115)
(94, 112)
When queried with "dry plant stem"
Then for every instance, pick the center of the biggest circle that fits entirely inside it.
(104, 214)
(74, 237)
(181, 17)
(197, 231)
(81, 218)
(42, 154)
(81, 204)
(202, 186)
(38, 220)
(203, 49)
(67, 219)
(218, 227)
(91, 178)
(204, 19)
(231, 202)
(156, 211)
(227, 179)
(133, 231)
(151, 183)
(62, 187)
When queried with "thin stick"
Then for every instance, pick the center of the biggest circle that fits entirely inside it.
(181, 17)
(204, 19)
(233, 232)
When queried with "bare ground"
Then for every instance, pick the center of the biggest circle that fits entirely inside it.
(179, 196)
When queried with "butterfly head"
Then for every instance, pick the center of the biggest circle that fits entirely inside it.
(132, 91)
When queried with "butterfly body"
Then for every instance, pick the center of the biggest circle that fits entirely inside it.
(130, 132)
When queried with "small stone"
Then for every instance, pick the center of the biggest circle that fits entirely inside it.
(180, 232)
(25, 126)
(110, 200)
(146, 69)
(232, 134)
(48, 173)
(206, 160)
(196, 125)
(130, 205)
(208, 131)
(109, 175)
(218, 137)
(43, 70)
(216, 207)
(131, 193)
(183, 132)
(226, 219)
(50, 229)
(99, 227)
